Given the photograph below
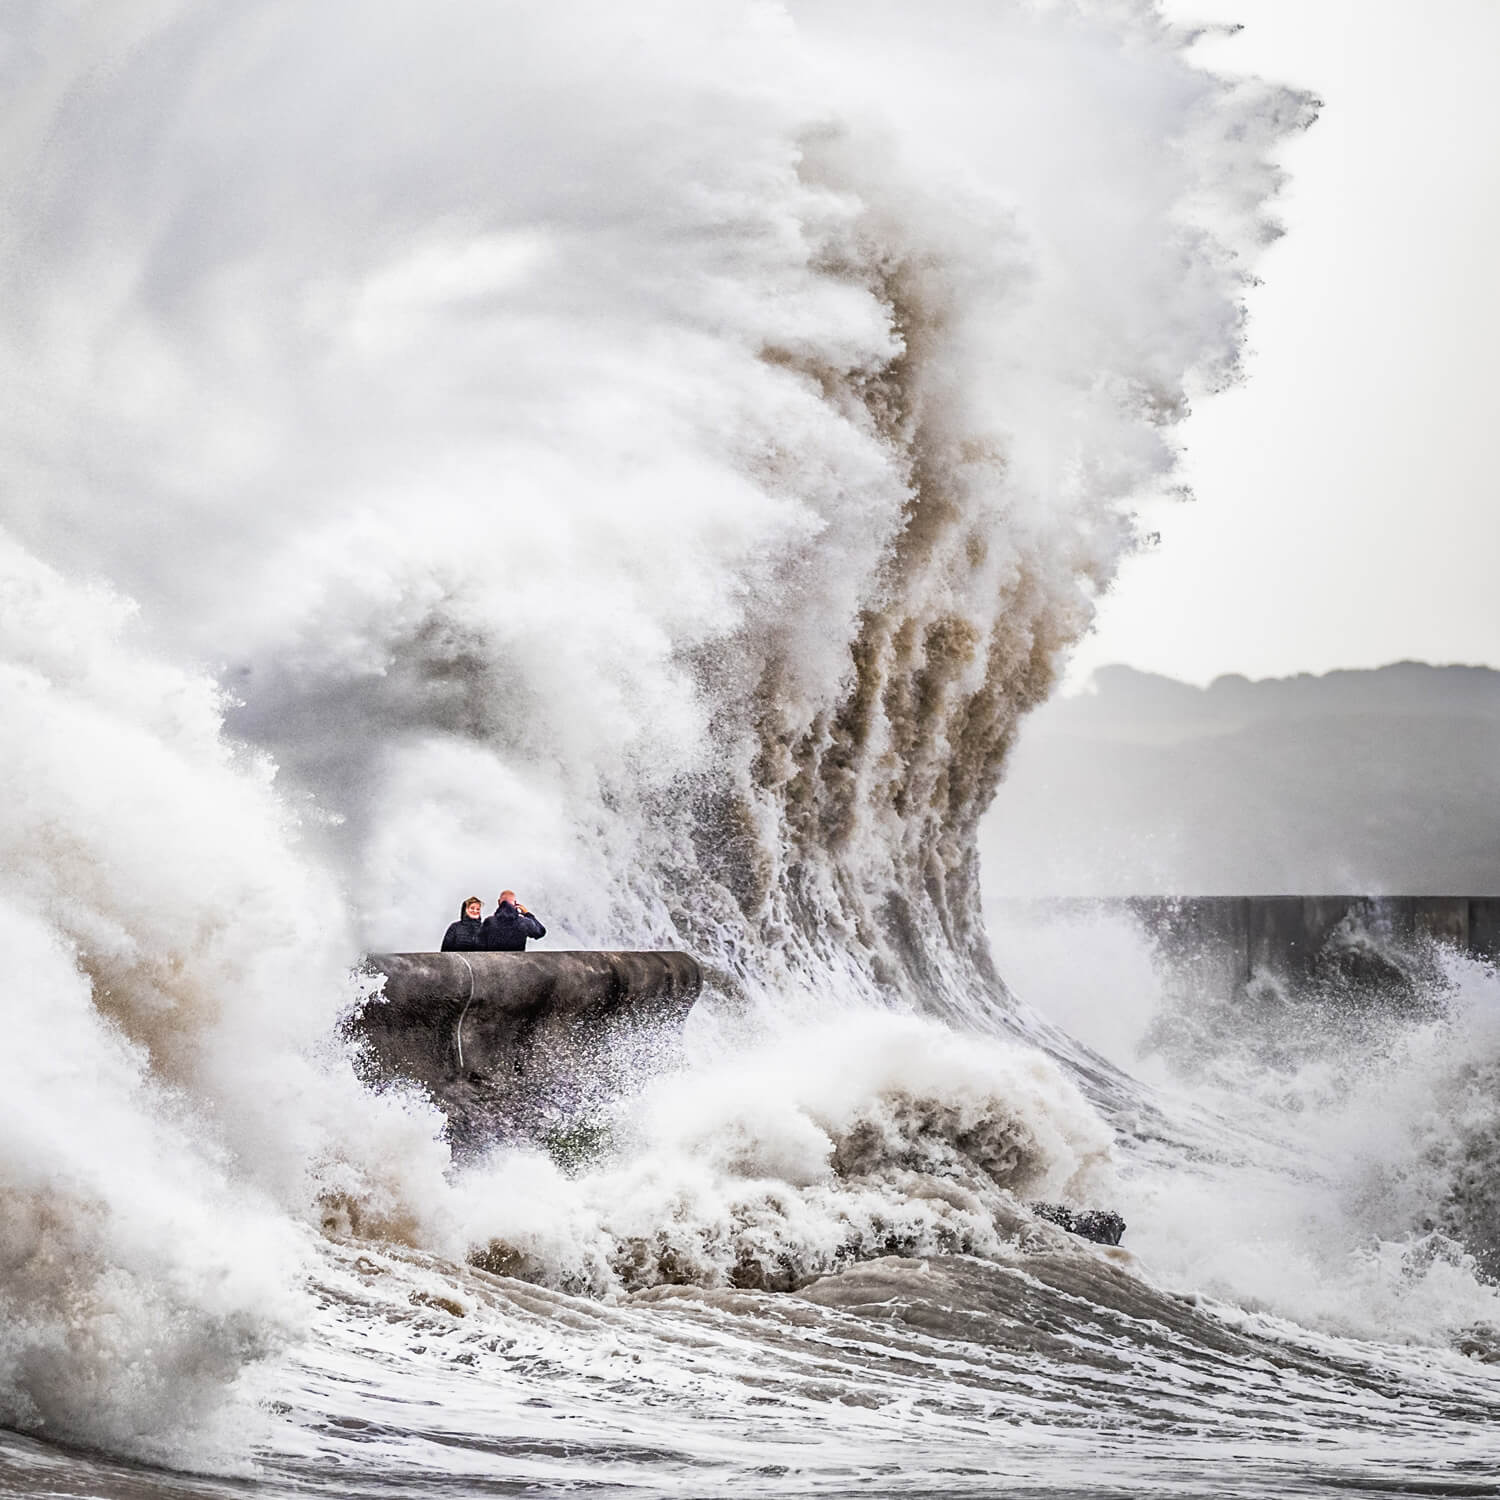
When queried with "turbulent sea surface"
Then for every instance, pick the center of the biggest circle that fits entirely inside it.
(651, 457)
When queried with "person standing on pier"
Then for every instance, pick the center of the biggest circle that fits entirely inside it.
(508, 926)
(464, 935)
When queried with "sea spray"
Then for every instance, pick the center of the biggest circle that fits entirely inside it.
(670, 446)
(172, 1126)
(890, 1135)
(1343, 1141)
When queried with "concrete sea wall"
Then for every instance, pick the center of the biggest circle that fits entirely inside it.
(515, 1043)
(1358, 942)
(1291, 934)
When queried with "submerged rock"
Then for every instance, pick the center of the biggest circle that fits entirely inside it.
(1102, 1225)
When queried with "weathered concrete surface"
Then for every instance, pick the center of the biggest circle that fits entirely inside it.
(508, 1042)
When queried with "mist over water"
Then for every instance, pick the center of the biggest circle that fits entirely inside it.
(651, 460)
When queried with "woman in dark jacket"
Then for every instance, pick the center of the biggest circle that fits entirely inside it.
(462, 936)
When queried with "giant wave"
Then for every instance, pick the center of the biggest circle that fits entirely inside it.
(652, 457)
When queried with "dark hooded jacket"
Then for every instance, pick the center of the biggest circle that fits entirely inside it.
(507, 928)
(464, 935)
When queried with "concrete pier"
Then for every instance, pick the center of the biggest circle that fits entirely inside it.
(504, 1042)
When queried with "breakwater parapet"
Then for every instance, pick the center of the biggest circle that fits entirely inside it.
(508, 1043)
(1360, 942)
(1295, 934)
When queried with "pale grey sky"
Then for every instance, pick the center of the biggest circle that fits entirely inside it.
(1346, 507)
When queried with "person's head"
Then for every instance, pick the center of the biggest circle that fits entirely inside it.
(507, 898)
(473, 907)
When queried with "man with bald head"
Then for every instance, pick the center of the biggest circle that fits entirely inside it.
(506, 929)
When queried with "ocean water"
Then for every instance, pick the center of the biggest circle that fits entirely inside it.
(651, 458)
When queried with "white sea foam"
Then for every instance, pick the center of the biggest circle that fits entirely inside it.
(766, 1169)
(1344, 1148)
(173, 971)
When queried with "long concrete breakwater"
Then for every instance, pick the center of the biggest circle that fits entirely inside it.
(1296, 936)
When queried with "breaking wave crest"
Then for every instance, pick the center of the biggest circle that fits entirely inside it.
(683, 451)
(780, 1166)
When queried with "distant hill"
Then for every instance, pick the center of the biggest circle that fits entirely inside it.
(1380, 782)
